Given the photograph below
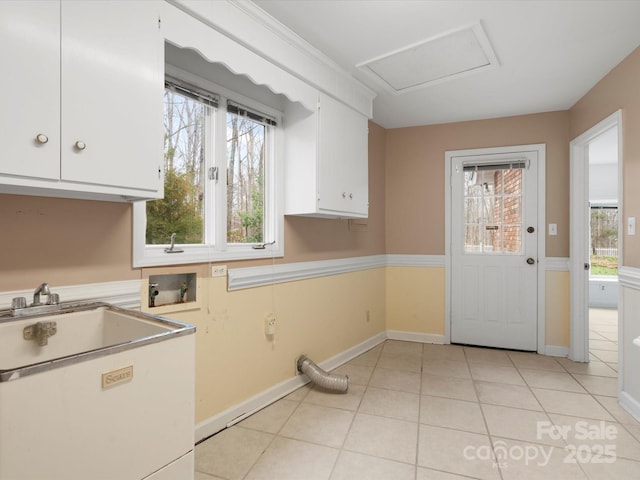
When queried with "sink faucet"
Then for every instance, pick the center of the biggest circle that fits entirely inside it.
(42, 289)
(19, 305)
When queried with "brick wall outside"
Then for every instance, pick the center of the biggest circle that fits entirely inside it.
(509, 193)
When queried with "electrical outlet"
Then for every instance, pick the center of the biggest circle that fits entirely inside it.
(270, 325)
(219, 271)
(631, 225)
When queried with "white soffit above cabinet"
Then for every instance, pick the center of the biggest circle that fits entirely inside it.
(438, 59)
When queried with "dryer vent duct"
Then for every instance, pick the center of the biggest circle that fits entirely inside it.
(326, 380)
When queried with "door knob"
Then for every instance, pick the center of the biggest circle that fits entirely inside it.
(530, 261)
(530, 229)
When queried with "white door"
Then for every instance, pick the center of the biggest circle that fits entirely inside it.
(494, 258)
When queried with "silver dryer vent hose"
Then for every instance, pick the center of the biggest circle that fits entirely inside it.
(326, 380)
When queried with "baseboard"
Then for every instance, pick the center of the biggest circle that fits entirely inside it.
(415, 337)
(244, 409)
(556, 351)
(236, 413)
(353, 352)
(239, 412)
(630, 404)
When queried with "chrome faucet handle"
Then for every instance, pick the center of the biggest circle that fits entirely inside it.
(18, 302)
(42, 289)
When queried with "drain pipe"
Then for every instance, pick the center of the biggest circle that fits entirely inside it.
(326, 380)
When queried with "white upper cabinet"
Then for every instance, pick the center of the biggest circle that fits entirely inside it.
(84, 113)
(30, 83)
(326, 161)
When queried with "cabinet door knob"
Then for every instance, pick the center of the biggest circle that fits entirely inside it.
(41, 138)
(351, 195)
(80, 145)
(344, 194)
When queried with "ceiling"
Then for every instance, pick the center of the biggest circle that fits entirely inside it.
(549, 53)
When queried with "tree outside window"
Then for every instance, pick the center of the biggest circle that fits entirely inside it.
(182, 210)
(604, 240)
(245, 179)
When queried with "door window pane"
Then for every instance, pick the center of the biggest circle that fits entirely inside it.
(493, 210)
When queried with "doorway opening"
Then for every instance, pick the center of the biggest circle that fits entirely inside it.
(604, 260)
(595, 246)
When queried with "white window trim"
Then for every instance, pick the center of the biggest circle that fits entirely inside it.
(155, 255)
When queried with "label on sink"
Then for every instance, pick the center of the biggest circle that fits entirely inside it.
(114, 377)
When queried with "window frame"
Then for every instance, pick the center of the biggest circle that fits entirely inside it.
(216, 248)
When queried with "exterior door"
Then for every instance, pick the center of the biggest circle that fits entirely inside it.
(494, 259)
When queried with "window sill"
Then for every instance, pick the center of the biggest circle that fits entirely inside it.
(156, 256)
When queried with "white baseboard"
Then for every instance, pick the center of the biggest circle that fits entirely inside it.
(244, 409)
(415, 337)
(236, 413)
(239, 412)
(556, 351)
(630, 404)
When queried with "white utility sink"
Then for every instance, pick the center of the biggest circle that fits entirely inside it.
(104, 393)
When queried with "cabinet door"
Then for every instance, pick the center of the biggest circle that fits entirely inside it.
(112, 87)
(30, 86)
(342, 159)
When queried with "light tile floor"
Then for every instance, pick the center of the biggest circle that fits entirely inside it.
(443, 412)
(603, 336)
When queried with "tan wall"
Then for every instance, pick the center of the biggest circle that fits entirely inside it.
(557, 308)
(63, 242)
(415, 195)
(416, 299)
(618, 90)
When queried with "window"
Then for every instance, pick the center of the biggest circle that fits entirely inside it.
(493, 208)
(221, 180)
(604, 240)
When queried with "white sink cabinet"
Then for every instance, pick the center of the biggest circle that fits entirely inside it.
(110, 396)
(326, 161)
(82, 110)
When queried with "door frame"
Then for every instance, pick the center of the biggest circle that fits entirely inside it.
(579, 232)
(541, 225)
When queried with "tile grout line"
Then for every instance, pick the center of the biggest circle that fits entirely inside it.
(355, 413)
(484, 419)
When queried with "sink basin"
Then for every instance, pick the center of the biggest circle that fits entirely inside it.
(84, 331)
(110, 395)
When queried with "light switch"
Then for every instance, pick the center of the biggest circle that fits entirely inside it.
(631, 225)
(553, 229)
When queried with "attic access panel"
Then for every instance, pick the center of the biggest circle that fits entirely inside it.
(435, 60)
